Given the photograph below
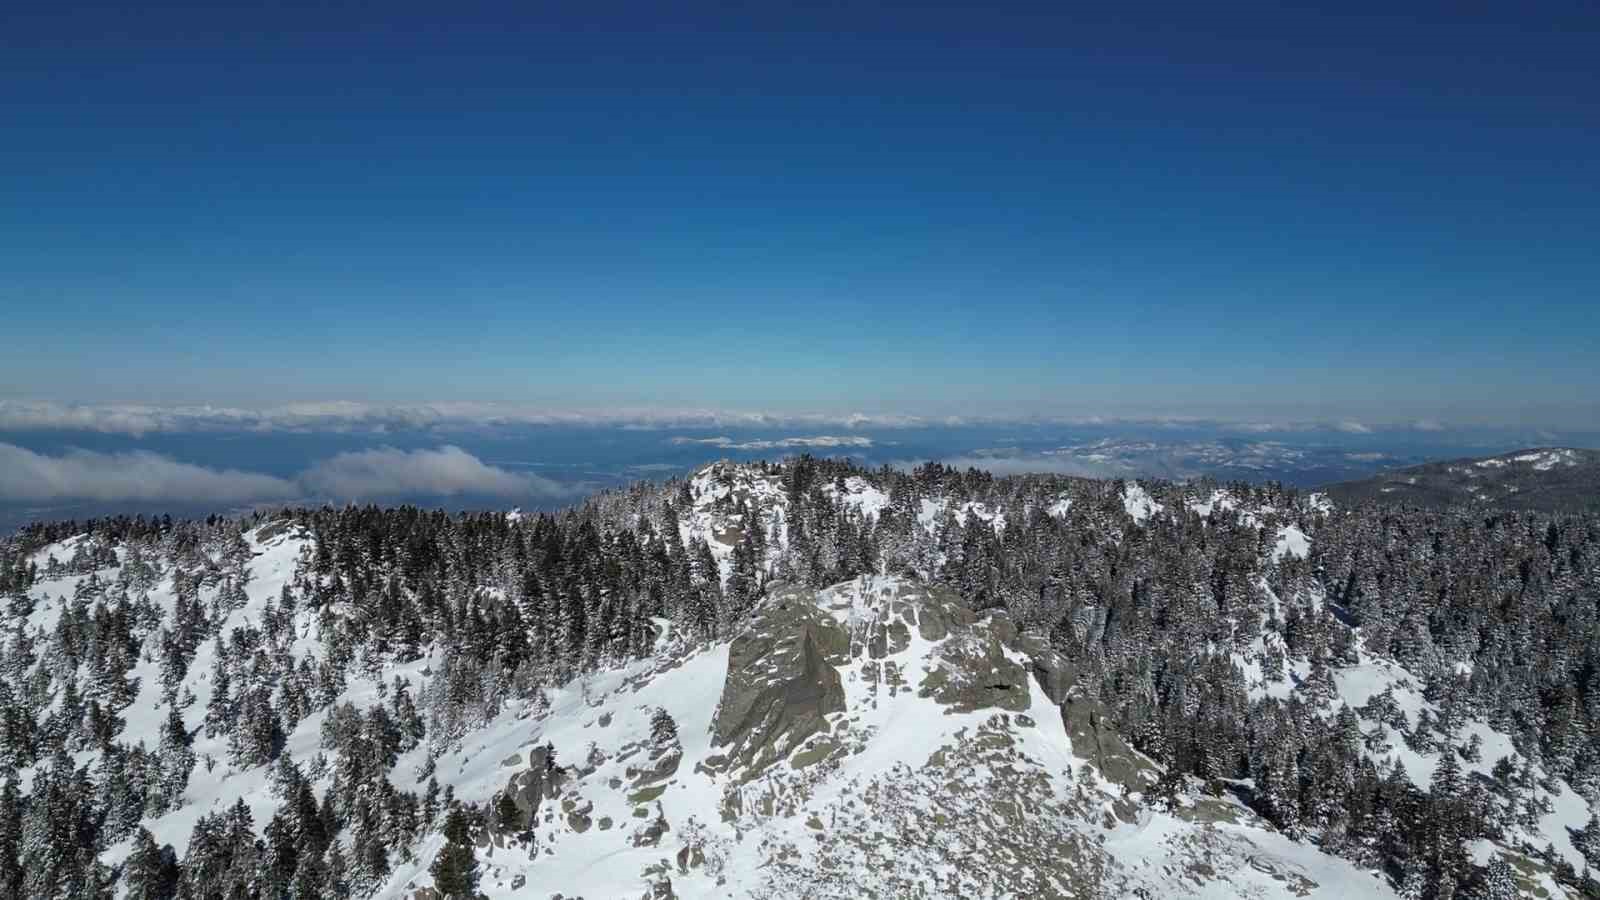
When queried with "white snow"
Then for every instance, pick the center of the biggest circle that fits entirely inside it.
(1544, 462)
(1541, 460)
(1219, 499)
(1225, 501)
(862, 496)
(1243, 861)
(1138, 502)
(898, 730)
(931, 512)
(1291, 542)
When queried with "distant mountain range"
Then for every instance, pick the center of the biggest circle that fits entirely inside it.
(1550, 479)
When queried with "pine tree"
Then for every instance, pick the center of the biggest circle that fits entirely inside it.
(1499, 882)
(176, 762)
(455, 869)
(508, 818)
(663, 729)
(1414, 880)
(1587, 841)
(150, 872)
(220, 708)
(11, 836)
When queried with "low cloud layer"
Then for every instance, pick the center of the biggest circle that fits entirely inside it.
(444, 418)
(818, 441)
(445, 472)
(141, 476)
(134, 476)
(344, 416)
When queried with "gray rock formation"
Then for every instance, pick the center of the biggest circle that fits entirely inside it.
(781, 681)
(1093, 737)
(975, 673)
(541, 780)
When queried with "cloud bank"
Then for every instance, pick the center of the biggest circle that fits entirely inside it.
(821, 440)
(138, 475)
(345, 416)
(447, 471)
(364, 418)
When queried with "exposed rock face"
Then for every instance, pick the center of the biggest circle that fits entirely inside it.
(976, 665)
(974, 672)
(781, 680)
(878, 738)
(541, 781)
(663, 764)
(649, 835)
(1094, 738)
(1051, 670)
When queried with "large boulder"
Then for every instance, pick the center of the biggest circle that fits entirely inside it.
(939, 611)
(530, 787)
(1053, 672)
(1094, 739)
(782, 682)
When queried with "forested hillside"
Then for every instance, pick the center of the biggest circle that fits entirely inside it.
(288, 705)
(1548, 479)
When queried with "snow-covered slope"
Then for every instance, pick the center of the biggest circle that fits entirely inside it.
(872, 739)
(876, 737)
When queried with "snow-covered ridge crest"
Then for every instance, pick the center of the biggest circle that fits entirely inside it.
(881, 725)
(1540, 460)
(855, 741)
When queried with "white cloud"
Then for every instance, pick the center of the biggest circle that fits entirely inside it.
(448, 471)
(18, 415)
(445, 472)
(821, 440)
(348, 416)
(138, 475)
(343, 416)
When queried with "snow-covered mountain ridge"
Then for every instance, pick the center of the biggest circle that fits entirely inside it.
(1546, 478)
(876, 738)
(919, 728)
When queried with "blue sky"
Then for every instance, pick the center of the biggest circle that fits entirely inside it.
(1230, 211)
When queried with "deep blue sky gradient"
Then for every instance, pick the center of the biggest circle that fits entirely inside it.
(1215, 210)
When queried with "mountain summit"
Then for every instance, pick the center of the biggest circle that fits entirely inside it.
(874, 738)
(805, 680)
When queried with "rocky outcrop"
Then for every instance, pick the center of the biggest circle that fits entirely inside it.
(650, 833)
(662, 765)
(974, 672)
(541, 780)
(1094, 739)
(1052, 671)
(878, 738)
(782, 682)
